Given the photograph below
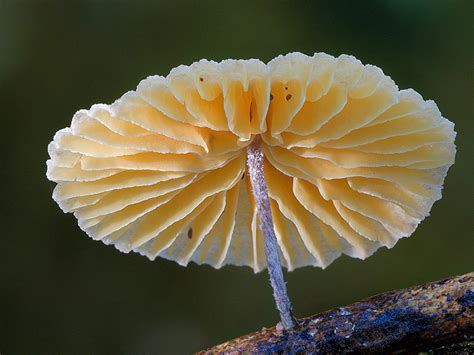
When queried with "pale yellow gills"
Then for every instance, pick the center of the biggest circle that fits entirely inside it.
(352, 163)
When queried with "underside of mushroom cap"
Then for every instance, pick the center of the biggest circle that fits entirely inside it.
(352, 163)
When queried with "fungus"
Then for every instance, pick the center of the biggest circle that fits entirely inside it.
(289, 164)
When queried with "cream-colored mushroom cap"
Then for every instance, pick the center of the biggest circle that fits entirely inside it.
(352, 163)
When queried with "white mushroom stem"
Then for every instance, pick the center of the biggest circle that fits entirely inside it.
(259, 188)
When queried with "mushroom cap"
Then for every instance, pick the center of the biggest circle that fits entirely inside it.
(352, 163)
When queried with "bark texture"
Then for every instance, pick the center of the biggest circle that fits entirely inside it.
(437, 315)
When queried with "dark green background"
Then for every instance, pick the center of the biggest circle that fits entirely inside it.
(63, 293)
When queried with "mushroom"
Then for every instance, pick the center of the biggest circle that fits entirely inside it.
(287, 164)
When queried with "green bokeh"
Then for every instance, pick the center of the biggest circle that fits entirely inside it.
(62, 293)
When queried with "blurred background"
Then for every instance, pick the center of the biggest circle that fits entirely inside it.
(62, 293)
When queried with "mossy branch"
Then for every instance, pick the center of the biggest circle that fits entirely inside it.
(426, 317)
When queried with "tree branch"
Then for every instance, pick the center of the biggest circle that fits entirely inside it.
(431, 316)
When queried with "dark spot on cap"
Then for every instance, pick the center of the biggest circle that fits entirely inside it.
(288, 97)
(251, 111)
(271, 97)
(190, 233)
(243, 176)
(286, 87)
(201, 79)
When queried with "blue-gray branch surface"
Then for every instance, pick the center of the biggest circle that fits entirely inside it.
(421, 318)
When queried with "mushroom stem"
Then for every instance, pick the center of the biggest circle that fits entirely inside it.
(259, 188)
